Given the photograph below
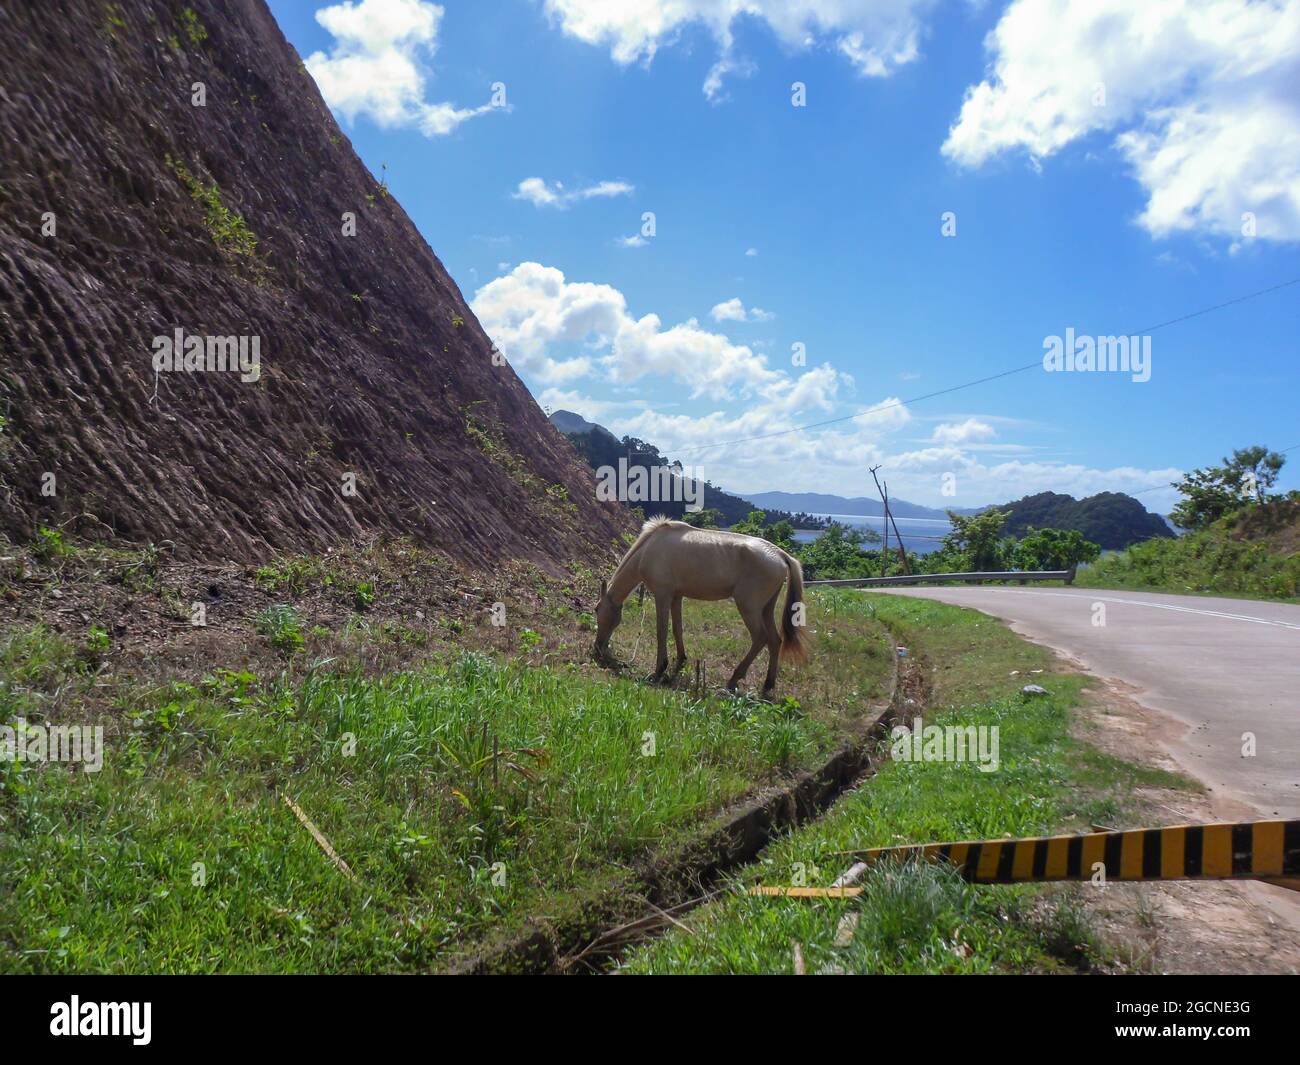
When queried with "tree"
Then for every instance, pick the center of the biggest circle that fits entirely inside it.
(1257, 469)
(837, 553)
(752, 525)
(1054, 549)
(781, 533)
(976, 539)
(702, 519)
(1210, 493)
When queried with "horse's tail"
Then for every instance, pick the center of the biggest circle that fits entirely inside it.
(794, 644)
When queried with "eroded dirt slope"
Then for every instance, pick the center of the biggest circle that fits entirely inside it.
(372, 364)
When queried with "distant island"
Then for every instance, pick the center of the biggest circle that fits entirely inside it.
(821, 503)
(1112, 520)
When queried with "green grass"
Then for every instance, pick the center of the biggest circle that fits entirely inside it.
(295, 574)
(1198, 567)
(113, 21)
(922, 919)
(49, 545)
(851, 661)
(1209, 562)
(282, 627)
(554, 498)
(465, 796)
(35, 666)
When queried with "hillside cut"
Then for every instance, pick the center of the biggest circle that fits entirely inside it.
(129, 215)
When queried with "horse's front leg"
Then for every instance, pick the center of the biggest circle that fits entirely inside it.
(677, 635)
(662, 607)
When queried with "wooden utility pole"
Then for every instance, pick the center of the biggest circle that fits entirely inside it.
(887, 522)
(902, 551)
(884, 553)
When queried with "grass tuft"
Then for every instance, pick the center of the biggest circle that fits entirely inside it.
(282, 626)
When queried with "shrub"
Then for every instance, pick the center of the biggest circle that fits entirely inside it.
(282, 626)
(363, 596)
(96, 645)
(49, 544)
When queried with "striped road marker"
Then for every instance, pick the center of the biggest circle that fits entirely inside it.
(1248, 850)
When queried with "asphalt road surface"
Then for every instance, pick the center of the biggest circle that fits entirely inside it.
(1218, 668)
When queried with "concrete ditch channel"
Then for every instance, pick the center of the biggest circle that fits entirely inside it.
(595, 928)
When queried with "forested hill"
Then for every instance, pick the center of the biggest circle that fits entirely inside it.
(1112, 519)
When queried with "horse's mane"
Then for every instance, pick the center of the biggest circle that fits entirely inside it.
(647, 530)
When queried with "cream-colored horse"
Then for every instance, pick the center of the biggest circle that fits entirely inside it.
(675, 561)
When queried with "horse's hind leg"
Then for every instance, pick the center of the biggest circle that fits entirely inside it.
(753, 617)
(773, 635)
(677, 635)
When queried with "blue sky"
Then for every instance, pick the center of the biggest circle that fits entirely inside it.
(1110, 166)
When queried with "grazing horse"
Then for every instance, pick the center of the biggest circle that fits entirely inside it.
(675, 561)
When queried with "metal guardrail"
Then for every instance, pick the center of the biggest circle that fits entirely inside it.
(1018, 576)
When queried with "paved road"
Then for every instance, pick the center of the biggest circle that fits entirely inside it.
(1217, 667)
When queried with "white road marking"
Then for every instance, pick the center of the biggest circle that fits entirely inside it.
(1154, 606)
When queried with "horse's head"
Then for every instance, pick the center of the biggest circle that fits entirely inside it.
(608, 615)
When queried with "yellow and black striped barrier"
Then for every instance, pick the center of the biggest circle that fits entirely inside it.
(1249, 850)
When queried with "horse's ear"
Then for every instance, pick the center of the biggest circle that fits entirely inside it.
(602, 589)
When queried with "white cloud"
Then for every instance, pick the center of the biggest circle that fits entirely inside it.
(751, 252)
(727, 65)
(708, 363)
(579, 342)
(733, 310)
(1200, 94)
(634, 241)
(377, 65)
(537, 192)
(971, 431)
(876, 36)
(920, 479)
(534, 308)
(579, 402)
(835, 458)
(798, 461)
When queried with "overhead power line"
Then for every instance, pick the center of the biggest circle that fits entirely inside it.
(980, 381)
(1157, 487)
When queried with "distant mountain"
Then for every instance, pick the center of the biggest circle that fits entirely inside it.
(1112, 519)
(820, 503)
(568, 422)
